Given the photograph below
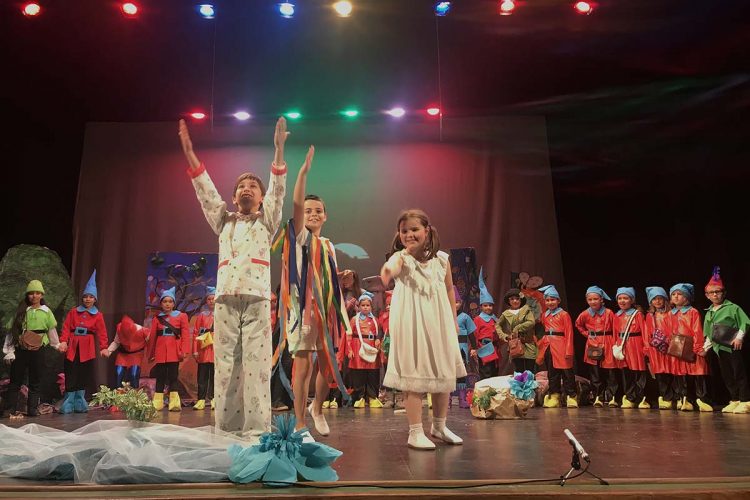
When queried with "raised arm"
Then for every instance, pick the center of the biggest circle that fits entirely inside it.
(299, 191)
(187, 146)
(214, 208)
(274, 198)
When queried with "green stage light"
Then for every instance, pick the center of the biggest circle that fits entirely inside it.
(293, 115)
(350, 113)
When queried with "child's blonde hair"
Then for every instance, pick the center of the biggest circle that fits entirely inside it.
(432, 243)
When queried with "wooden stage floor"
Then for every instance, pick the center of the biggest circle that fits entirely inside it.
(641, 452)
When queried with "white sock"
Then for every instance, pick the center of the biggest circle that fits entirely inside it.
(415, 429)
(438, 423)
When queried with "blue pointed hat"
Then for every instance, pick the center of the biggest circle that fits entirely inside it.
(655, 291)
(550, 291)
(686, 289)
(210, 290)
(168, 293)
(626, 290)
(597, 290)
(484, 294)
(90, 288)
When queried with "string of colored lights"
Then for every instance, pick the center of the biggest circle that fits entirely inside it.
(350, 113)
(342, 8)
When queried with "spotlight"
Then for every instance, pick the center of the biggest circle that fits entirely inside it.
(207, 11)
(396, 112)
(442, 8)
(507, 7)
(343, 8)
(293, 115)
(242, 115)
(129, 9)
(584, 8)
(198, 115)
(286, 9)
(31, 9)
(433, 111)
(350, 113)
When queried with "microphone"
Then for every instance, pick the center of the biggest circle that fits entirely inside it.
(574, 442)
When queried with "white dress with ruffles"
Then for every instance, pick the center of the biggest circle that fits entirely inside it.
(424, 354)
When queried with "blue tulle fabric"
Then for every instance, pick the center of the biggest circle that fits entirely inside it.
(282, 457)
(522, 385)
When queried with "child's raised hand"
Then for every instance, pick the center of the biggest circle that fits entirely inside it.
(308, 160)
(280, 134)
(187, 145)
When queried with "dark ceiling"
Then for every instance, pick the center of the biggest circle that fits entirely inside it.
(627, 88)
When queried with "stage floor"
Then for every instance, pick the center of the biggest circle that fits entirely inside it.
(635, 447)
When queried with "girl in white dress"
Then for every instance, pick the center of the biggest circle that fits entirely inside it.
(424, 355)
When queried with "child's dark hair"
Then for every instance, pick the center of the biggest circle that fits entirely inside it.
(432, 243)
(356, 288)
(315, 197)
(252, 176)
(19, 320)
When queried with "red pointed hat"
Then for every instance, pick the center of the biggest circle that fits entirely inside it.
(715, 279)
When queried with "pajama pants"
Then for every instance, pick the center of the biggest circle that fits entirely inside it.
(242, 364)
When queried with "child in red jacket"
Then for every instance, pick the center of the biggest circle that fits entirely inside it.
(170, 331)
(203, 351)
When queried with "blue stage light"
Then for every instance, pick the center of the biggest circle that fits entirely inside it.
(442, 8)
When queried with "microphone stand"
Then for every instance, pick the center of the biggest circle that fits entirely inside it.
(575, 464)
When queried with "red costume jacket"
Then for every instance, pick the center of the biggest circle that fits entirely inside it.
(485, 330)
(370, 333)
(660, 363)
(169, 348)
(636, 346)
(203, 323)
(88, 326)
(558, 337)
(687, 321)
(596, 326)
(132, 345)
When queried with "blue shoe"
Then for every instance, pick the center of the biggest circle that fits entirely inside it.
(67, 404)
(79, 403)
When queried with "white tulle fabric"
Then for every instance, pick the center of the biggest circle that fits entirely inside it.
(117, 452)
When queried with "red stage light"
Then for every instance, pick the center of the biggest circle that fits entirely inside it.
(584, 8)
(433, 111)
(198, 115)
(31, 9)
(507, 7)
(129, 9)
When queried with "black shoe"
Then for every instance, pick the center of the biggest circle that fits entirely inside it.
(32, 406)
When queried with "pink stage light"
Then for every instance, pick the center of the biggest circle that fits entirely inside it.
(433, 111)
(129, 9)
(31, 9)
(198, 115)
(507, 7)
(584, 8)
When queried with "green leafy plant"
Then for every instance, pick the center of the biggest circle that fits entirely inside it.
(133, 402)
(483, 401)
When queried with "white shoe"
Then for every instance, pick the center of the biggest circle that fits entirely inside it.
(319, 420)
(419, 441)
(307, 437)
(446, 435)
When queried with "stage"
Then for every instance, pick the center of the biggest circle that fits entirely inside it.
(640, 452)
